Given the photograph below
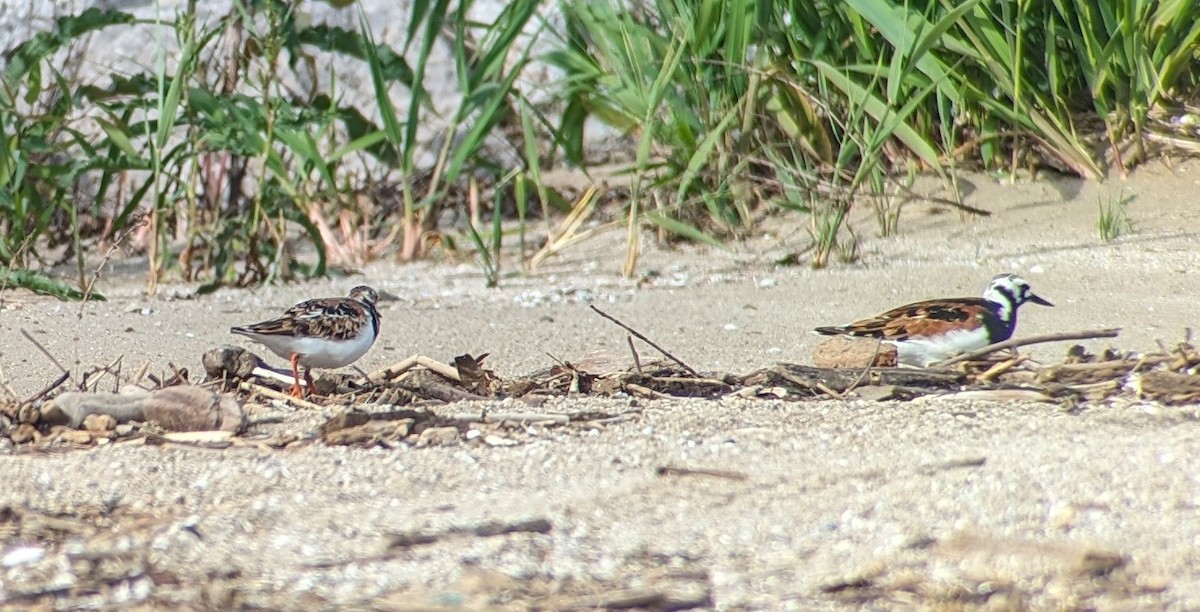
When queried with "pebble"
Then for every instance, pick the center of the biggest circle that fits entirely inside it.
(497, 440)
(437, 435)
(99, 423)
(23, 433)
(22, 555)
(75, 436)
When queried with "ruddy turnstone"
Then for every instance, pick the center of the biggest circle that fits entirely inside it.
(324, 333)
(928, 332)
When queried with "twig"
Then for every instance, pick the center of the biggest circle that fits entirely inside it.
(391, 372)
(670, 470)
(866, 370)
(91, 283)
(637, 363)
(822, 387)
(140, 373)
(62, 378)
(646, 340)
(1000, 368)
(1017, 342)
(4, 377)
(44, 351)
(403, 541)
(273, 394)
(510, 417)
(266, 372)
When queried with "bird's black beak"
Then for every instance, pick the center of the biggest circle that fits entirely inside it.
(1037, 299)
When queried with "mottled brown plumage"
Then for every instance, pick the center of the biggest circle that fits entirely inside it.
(919, 319)
(321, 333)
(331, 318)
(926, 332)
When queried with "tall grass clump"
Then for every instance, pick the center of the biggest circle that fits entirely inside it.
(743, 107)
(214, 167)
(1113, 219)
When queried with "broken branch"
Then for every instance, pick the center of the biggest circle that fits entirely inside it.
(646, 340)
(1018, 342)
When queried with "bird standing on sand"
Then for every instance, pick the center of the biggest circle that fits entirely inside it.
(928, 332)
(324, 333)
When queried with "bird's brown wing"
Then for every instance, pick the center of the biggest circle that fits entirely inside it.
(336, 318)
(928, 318)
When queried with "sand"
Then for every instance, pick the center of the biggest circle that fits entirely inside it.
(807, 505)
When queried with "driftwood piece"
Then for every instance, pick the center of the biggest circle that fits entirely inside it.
(190, 408)
(1087, 373)
(71, 408)
(1019, 342)
(810, 380)
(429, 385)
(180, 408)
(395, 370)
(1167, 387)
(359, 428)
(672, 386)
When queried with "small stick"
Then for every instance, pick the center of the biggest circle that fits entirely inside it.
(402, 541)
(510, 417)
(1000, 368)
(670, 470)
(4, 379)
(43, 350)
(140, 373)
(1016, 342)
(91, 283)
(391, 372)
(273, 394)
(866, 370)
(637, 363)
(264, 372)
(646, 340)
(830, 392)
(518, 417)
(62, 378)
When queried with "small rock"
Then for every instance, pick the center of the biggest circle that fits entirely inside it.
(1154, 583)
(99, 423)
(27, 413)
(229, 361)
(438, 435)
(23, 433)
(22, 555)
(75, 436)
(877, 393)
(496, 440)
(849, 352)
(403, 427)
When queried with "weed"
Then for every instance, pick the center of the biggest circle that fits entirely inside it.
(1113, 220)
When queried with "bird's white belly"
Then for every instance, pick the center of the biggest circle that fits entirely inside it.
(924, 351)
(320, 352)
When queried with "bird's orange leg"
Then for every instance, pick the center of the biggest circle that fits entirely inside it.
(297, 391)
(312, 386)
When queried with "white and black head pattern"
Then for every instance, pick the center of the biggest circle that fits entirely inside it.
(926, 332)
(1008, 292)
